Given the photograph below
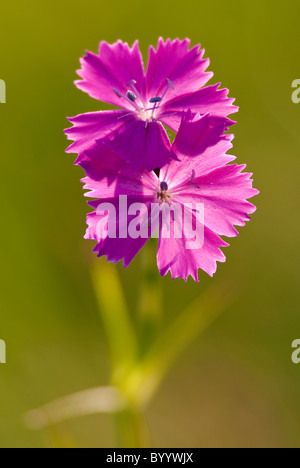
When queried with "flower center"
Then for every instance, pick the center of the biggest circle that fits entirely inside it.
(146, 111)
(163, 194)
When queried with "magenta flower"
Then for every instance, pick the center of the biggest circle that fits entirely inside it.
(201, 192)
(174, 82)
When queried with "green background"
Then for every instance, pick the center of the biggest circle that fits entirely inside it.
(236, 386)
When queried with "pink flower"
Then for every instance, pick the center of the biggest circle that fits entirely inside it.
(174, 82)
(202, 186)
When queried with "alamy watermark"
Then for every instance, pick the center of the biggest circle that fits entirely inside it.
(2, 92)
(2, 352)
(140, 220)
(296, 93)
(296, 353)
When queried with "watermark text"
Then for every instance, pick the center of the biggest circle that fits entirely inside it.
(2, 92)
(296, 93)
(296, 353)
(140, 220)
(2, 352)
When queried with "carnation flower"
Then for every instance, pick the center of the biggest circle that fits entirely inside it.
(200, 189)
(174, 82)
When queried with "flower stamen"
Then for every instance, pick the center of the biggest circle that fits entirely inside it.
(164, 187)
(163, 194)
(182, 186)
(117, 93)
(131, 84)
(191, 181)
(155, 99)
(131, 96)
(168, 87)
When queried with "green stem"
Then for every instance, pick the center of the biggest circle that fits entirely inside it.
(142, 354)
(150, 300)
(131, 428)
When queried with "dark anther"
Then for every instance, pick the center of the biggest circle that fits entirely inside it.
(170, 83)
(155, 99)
(131, 96)
(130, 83)
(164, 187)
(117, 93)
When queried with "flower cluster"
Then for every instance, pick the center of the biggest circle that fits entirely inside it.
(142, 184)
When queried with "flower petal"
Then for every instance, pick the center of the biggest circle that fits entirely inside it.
(200, 147)
(174, 61)
(107, 175)
(114, 66)
(173, 256)
(116, 248)
(92, 126)
(118, 186)
(197, 134)
(224, 193)
(142, 147)
(206, 100)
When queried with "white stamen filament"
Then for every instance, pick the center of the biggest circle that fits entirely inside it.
(134, 98)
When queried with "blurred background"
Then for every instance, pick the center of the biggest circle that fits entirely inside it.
(236, 386)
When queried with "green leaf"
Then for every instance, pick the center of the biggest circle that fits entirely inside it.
(119, 330)
(185, 329)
